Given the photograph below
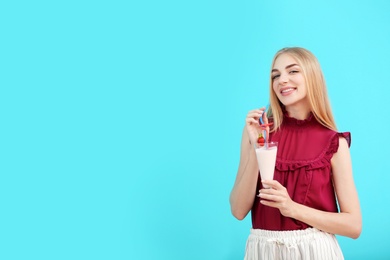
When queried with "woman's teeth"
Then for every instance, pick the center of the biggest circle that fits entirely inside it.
(287, 90)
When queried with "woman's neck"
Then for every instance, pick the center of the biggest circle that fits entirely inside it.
(298, 112)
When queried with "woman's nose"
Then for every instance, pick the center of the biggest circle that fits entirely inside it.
(283, 78)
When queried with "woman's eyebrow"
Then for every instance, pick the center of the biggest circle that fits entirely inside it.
(287, 67)
(291, 65)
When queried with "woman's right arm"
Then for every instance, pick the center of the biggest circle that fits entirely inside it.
(244, 189)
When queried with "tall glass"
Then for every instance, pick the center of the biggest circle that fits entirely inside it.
(266, 159)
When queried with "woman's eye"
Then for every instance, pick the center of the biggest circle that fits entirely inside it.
(275, 76)
(294, 71)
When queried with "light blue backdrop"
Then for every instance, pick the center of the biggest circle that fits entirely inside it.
(121, 120)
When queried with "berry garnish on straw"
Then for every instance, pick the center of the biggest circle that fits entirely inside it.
(260, 140)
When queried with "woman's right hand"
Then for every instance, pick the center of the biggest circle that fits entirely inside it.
(253, 126)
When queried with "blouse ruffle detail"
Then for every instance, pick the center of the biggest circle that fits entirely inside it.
(297, 122)
(323, 160)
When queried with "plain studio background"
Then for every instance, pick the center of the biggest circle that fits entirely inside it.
(121, 120)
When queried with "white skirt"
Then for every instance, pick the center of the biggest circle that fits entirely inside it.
(305, 244)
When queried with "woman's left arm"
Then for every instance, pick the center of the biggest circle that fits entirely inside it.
(346, 223)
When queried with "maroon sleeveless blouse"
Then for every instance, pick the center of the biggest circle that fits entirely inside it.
(303, 166)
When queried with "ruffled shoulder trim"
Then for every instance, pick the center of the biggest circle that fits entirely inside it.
(334, 145)
(322, 161)
(347, 136)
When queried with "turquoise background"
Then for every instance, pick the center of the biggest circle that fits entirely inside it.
(121, 120)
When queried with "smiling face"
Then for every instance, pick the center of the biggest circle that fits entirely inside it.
(298, 88)
(288, 82)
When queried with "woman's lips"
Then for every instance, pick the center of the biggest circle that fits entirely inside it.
(287, 91)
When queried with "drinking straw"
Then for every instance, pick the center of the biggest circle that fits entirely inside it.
(264, 131)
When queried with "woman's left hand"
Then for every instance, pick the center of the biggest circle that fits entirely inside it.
(277, 197)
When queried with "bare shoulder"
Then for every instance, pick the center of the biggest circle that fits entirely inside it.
(341, 161)
(343, 145)
(342, 151)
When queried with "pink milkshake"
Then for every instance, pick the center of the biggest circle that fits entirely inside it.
(266, 158)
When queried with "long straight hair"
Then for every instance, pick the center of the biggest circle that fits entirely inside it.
(316, 89)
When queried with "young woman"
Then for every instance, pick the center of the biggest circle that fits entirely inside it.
(313, 195)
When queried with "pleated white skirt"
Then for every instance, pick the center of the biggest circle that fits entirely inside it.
(308, 244)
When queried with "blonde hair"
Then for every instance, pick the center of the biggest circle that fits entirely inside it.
(316, 89)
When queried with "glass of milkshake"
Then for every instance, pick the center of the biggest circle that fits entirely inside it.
(266, 159)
